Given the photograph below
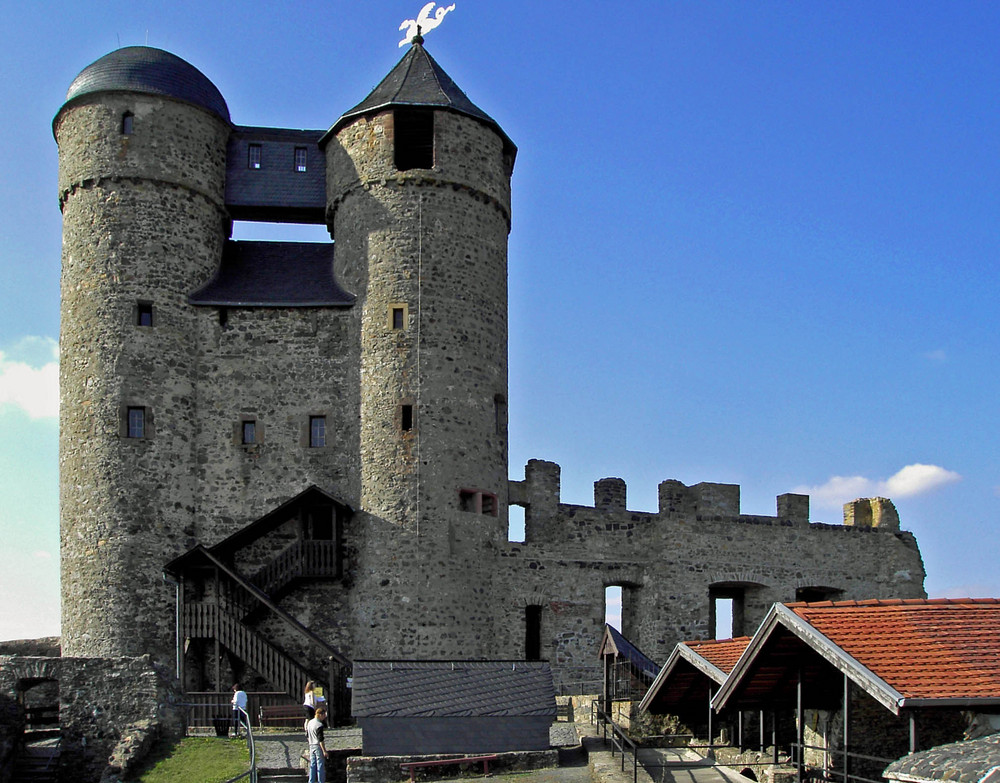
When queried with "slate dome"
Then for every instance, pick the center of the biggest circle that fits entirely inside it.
(153, 71)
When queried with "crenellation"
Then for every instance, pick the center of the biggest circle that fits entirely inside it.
(609, 494)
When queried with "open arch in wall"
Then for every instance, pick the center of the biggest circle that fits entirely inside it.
(727, 607)
(813, 593)
(620, 601)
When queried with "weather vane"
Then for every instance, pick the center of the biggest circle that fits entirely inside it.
(424, 22)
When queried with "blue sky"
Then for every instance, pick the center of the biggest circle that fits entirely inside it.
(753, 243)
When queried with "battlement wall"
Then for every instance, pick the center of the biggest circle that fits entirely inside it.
(548, 519)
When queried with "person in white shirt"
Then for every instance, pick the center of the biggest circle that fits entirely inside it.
(317, 748)
(239, 708)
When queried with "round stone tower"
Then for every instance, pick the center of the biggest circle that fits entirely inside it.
(142, 156)
(418, 204)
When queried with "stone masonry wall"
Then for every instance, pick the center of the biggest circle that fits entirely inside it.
(667, 562)
(143, 220)
(102, 701)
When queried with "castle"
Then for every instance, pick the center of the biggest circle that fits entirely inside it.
(277, 458)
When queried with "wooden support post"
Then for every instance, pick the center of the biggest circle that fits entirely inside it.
(760, 730)
(710, 731)
(913, 731)
(739, 730)
(215, 632)
(847, 725)
(774, 737)
(799, 730)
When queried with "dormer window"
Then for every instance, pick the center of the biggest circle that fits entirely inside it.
(301, 156)
(253, 156)
(413, 138)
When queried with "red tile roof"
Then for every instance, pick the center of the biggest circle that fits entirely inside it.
(721, 653)
(925, 649)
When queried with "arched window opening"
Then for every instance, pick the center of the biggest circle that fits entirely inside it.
(613, 606)
(128, 120)
(727, 603)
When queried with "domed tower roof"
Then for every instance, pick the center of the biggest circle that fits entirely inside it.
(152, 71)
(417, 80)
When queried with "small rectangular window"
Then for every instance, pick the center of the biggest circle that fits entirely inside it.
(127, 119)
(406, 418)
(300, 158)
(136, 422)
(144, 314)
(253, 161)
(249, 435)
(398, 318)
(317, 431)
(478, 502)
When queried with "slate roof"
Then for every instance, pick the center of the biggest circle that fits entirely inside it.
(452, 689)
(417, 80)
(257, 529)
(152, 71)
(692, 669)
(274, 274)
(623, 648)
(277, 191)
(972, 761)
(904, 653)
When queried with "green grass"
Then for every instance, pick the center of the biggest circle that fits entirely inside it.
(196, 760)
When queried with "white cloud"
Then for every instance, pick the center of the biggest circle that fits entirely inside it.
(937, 355)
(912, 480)
(43, 555)
(31, 383)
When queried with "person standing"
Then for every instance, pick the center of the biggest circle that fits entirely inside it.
(309, 701)
(239, 703)
(317, 748)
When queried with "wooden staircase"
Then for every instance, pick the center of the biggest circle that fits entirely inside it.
(222, 616)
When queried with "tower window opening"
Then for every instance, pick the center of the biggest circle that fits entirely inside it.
(406, 418)
(144, 314)
(127, 123)
(301, 157)
(253, 156)
(223, 317)
(397, 316)
(532, 633)
(136, 422)
(317, 431)
(413, 138)
(613, 606)
(476, 501)
(249, 432)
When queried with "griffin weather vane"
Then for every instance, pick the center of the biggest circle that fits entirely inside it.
(424, 23)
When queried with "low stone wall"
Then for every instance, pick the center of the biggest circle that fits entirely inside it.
(761, 764)
(111, 711)
(385, 769)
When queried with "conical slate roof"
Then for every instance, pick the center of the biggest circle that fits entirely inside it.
(417, 80)
(145, 69)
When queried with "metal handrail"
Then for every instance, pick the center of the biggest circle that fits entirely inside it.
(250, 774)
(619, 740)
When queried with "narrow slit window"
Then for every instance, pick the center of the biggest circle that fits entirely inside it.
(301, 158)
(136, 422)
(254, 156)
(317, 431)
(223, 317)
(413, 142)
(532, 633)
(144, 314)
(127, 123)
(249, 434)
(406, 418)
